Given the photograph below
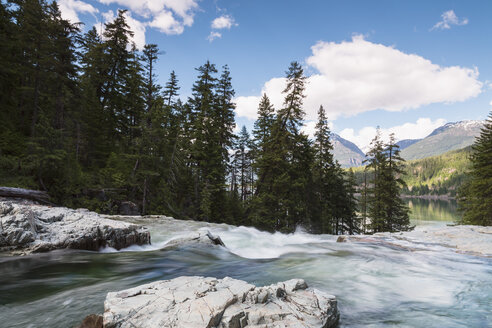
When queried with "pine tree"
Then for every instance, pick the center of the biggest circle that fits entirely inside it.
(242, 164)
(386, 209)
(397, 210)
(150, 56)
(95, 145)
(264, 122)
(324, 171)
(475, 199)
(376, 160)
(277, 205)
(117, 35)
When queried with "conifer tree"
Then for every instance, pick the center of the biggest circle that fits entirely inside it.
(386, 209)
(242, 164)
(324, 173)
(263, 124)
(397, 210)
(280, 182)
(475, 199)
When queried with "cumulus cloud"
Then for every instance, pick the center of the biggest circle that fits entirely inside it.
(214, 35)
(223, 22)
(166, 23)
(449, 18)
(168, 16)
(71, 8)
(358, 76)
(420, 129)
(220, 23)
(136, 26)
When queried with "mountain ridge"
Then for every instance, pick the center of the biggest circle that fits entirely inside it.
(451, 136)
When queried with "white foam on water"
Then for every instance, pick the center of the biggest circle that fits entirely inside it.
(252, 243)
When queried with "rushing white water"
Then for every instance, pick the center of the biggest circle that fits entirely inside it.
(383, 281)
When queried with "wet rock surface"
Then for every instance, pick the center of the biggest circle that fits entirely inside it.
(200, 302)
(30, 228)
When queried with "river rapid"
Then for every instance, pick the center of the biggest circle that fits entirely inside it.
(376, 284)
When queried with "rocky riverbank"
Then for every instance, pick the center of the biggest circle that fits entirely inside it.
(198, 302)
(475, 240)
(29, 228)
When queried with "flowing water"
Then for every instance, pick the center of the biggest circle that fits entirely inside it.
(376, 285)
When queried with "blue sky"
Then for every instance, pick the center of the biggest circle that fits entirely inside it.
(407, 66)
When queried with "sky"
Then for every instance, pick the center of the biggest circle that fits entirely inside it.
(405, 66)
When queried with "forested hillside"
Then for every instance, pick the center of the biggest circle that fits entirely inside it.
(84, 118)
(436, 175)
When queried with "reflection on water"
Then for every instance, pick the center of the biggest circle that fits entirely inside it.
(376, 285)
(425, 211)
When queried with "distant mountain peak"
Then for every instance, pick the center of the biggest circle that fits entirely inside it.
(450, 136)
(346, 152)
(466, 125)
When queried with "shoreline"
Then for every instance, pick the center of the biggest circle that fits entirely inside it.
(430, 197)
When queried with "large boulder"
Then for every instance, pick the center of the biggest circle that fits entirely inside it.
(198, 302)
(34, 228)
(195, 239)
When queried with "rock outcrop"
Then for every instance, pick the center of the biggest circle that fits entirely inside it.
(197, 238)
(189, 302)
(33, 228)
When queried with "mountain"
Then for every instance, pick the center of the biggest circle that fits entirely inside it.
(346, 152)
(405, 143)
(451, 136)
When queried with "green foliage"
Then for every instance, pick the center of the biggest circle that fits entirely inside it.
(84, 119)
(384, 207)
(436, 175)
(476, 195)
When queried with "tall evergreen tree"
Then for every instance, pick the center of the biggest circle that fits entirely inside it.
(280, 182)
(387, 211)
(475, 199)
(324, 171)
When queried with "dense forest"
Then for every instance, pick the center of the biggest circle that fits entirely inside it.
(85, 119)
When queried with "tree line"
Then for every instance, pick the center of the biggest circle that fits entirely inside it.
(85, 119)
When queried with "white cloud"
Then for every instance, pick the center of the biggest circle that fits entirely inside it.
(166, 23)
(449, 18)
(420, 129)
(168, 16)
(358, 76)
(309, 128)
(223, 22)
(214, 35)
(70, 9)
(135, 25)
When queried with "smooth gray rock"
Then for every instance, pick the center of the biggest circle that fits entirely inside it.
(28, 229)
(198, 302)
(197, 238)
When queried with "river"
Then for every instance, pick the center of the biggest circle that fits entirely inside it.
(376, 285)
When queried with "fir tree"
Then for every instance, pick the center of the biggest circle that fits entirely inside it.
(475, 199)
(386, 210)
(324, 173)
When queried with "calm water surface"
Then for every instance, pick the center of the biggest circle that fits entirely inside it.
(376, 285)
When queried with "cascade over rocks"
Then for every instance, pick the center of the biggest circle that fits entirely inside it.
(198, 302)
(29, 228)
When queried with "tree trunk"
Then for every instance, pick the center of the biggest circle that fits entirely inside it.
(36, 195)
